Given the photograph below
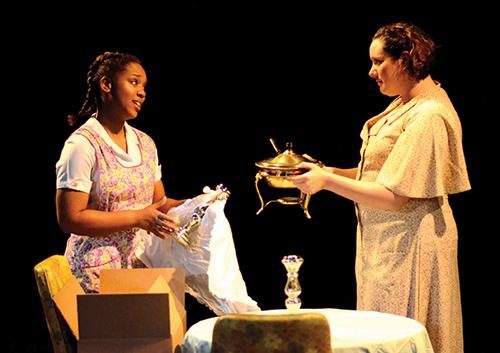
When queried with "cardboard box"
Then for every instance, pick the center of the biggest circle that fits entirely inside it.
(137, 310)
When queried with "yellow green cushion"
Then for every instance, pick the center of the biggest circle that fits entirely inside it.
(51, 275)
(283, 333)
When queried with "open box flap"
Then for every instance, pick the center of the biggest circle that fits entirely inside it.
(65, 301)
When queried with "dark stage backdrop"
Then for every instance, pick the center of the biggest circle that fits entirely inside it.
(222, 81)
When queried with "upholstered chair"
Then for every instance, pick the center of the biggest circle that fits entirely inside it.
(51, 275)
(275, 333)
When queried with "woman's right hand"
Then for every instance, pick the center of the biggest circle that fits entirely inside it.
(157, 222)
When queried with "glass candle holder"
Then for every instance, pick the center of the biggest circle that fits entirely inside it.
(292, 264)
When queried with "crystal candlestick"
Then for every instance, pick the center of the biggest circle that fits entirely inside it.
(292, 264)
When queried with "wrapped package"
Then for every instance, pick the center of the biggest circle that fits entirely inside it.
(212, 272)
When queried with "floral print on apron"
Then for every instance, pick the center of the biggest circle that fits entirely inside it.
(118, 188)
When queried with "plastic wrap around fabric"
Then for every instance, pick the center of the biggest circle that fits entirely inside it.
(213, 276)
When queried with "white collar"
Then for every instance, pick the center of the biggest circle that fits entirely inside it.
(131, 137)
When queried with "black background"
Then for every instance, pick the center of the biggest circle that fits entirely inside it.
(222, 81)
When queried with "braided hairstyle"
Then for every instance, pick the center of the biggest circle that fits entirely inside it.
(410, 43)
(105, 65)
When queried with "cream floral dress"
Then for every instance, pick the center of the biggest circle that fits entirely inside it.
(406, 261)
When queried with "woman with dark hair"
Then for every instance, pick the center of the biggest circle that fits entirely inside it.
(411, 160)
(109, 188)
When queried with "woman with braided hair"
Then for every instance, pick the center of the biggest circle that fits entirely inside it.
(109, 188)
(411, 160)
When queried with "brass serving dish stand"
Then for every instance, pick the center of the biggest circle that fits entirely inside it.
(275, 172)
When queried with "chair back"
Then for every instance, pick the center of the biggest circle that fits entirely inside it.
(51, 275)
(275, 333)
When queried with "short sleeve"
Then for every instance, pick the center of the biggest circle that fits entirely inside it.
(75, 165)
(158, 172)
(427, 159)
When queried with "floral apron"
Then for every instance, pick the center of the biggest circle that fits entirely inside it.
(118, 188)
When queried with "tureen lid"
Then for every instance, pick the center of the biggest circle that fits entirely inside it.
(287, 160)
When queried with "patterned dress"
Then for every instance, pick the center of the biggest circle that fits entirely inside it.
(406, 261)
(118, 188)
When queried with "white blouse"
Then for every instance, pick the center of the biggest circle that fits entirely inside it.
(76, 170)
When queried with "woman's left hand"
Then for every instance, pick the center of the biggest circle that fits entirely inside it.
(311, 181)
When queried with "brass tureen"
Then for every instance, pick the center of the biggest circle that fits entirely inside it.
(275, 171)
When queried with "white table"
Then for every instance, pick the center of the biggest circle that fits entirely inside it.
(351, 331)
